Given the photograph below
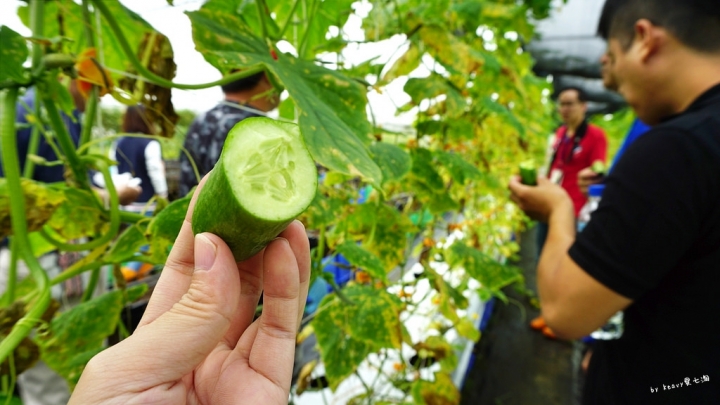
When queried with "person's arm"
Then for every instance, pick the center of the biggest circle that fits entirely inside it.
(647, 220)
(156, 168)
(573, 303)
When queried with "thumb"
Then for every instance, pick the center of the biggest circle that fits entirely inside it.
(178, 340)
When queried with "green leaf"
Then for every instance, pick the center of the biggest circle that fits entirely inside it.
(423, 170)
(13, 53)
(433, 86)
(408, 62)
(341, 354)
(287, 109)
(439, 349)
(348, 333)
(246, 10)
(375, 317)
(165, 227)
(127, 244)
(442, 391)
(332, 119)
(41, 203)
(131, 24)
(466, 329)
(390, 231)
(77, 334)
(456, 55)
(362, 259)
(394, 162)
(39, 244)
(493, 107)
(490, 273)
(323, 211)
(79, 215)
(460, 169)
(61, 97)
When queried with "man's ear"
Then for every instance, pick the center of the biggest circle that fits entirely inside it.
(648, 38)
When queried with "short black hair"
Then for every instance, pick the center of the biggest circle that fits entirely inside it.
(246, 83)
(695, 23)
(582, 95)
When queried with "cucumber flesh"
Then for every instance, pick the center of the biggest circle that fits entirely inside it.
(264, 179)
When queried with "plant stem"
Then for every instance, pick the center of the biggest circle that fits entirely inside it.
(64, 139)
(150, 76)
(87, 23)
(261, 14)
(127, 217)
(92, 283)
(37, 23)
(289, 18)
(89, 116)
(12, 274)
(11, 168)
(306, 34)
(34, 142)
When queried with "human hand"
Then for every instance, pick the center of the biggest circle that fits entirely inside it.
(586, 178)
(197, 342)
(128, 194)
(539, 202)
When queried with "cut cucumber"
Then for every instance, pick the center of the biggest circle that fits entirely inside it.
(598, 167)
(528, 173)
(265, 177)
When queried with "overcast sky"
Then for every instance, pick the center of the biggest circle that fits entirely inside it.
(192, 68)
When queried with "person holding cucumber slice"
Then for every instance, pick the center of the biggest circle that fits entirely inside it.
(197, 341)
(653, 245)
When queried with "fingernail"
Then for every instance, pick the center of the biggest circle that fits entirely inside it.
(205, 252)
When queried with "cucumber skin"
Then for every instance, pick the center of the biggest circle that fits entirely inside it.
(528, 176)
(218, 212)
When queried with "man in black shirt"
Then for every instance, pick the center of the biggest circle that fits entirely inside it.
(652, 248)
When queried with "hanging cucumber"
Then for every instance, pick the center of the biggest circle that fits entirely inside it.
(264, 178)
(528, 173)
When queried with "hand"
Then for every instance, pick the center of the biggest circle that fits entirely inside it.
(128, 194)
(538, 202)
(586, 178)
(197, 342)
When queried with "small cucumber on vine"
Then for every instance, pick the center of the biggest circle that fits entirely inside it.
(528, 173)
(265, 177)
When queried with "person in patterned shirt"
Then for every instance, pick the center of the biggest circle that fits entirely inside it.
(248, 97)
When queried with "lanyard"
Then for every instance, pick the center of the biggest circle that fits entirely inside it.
(579, 135)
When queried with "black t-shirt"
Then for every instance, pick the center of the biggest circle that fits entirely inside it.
(655, 238)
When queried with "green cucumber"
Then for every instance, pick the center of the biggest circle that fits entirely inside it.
(265, 177)
(528, 173)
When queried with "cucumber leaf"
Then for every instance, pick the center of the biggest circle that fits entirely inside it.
(74, 336)
(127, 244)
(394, 162)
(332, 117)
(362, 259)
(489, 272)
(13, 53)
(165, 227)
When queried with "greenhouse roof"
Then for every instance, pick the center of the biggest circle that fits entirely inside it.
(568, 48)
